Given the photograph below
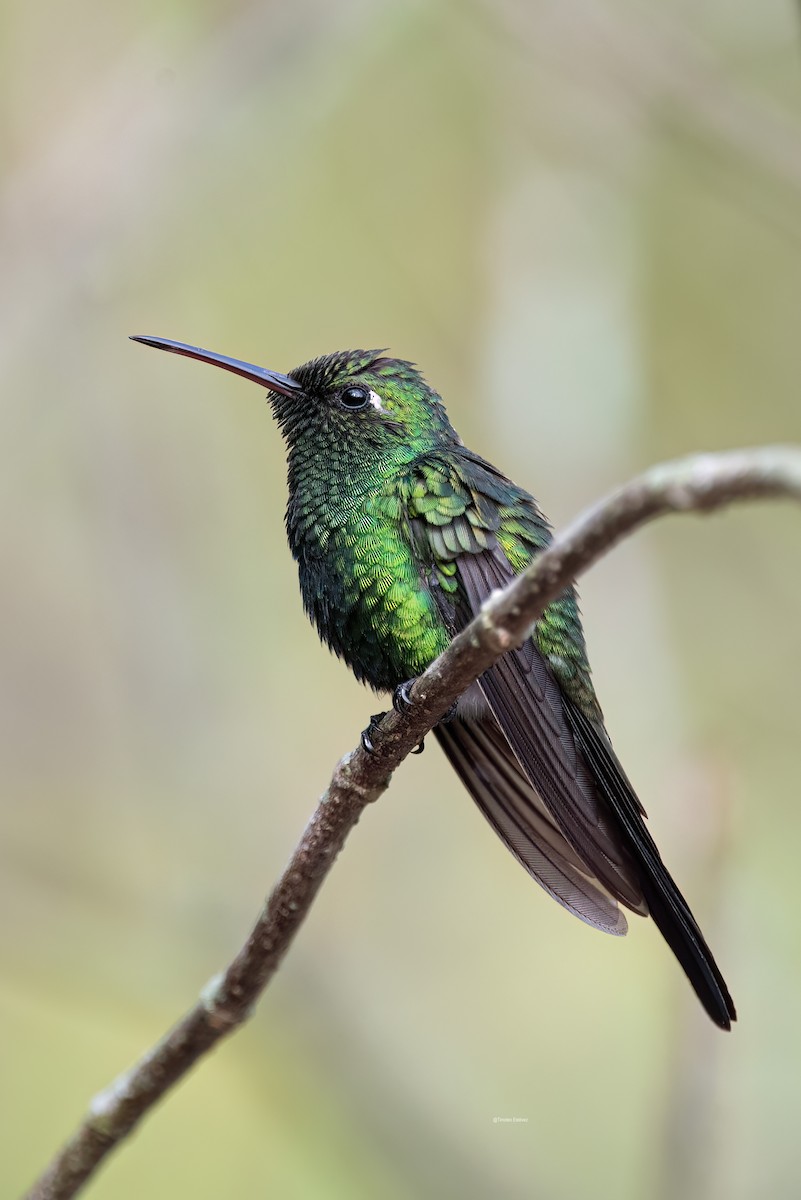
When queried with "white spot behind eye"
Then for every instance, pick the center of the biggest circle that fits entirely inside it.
(376, 401)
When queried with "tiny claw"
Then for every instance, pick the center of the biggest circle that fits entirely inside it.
(402, 702)
(401, 697)
(367, 734)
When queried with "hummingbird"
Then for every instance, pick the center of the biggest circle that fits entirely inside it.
(400, 533)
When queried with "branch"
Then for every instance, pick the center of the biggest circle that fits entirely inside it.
(701, 483)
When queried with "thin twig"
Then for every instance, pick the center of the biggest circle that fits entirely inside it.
(701, 483)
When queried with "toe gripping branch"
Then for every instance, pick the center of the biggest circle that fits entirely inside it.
(367, 734)
(401, 702)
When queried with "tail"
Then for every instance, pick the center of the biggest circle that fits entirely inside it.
(665, 902)
(680, 930)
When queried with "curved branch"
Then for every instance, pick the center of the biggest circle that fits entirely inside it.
(700, 483)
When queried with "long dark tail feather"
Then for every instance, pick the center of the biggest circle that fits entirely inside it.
(667, 906)
(681, 932)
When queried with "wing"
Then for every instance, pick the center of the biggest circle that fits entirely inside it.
(527, 701)
(479, 531)
(449, 520)
(484, 761)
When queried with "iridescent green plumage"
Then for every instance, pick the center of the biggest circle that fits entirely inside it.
(378, 525)
(400, 534)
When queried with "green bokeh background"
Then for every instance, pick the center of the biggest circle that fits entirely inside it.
(582, 218)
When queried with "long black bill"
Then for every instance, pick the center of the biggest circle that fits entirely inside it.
(269, 379)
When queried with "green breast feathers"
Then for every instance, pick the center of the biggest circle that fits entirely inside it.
(379, 566)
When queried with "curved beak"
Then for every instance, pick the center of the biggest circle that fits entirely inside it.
(269, 379)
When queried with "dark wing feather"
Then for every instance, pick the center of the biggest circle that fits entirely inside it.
(665, 902)
(539, 763)
(482, 758)
(528, 704)
(569, 759)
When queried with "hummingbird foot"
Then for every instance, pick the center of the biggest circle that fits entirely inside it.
(402, 702)
(367, 734)
(402, 696)
(375, 721)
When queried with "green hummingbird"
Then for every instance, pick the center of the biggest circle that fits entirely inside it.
(400, 533)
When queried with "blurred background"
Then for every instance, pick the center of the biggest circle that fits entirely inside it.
(583, 219)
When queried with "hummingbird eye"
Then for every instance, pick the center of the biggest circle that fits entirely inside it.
(354, 398)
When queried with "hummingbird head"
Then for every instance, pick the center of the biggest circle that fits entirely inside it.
(358, 403)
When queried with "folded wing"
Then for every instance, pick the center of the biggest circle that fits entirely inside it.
(534, 754)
